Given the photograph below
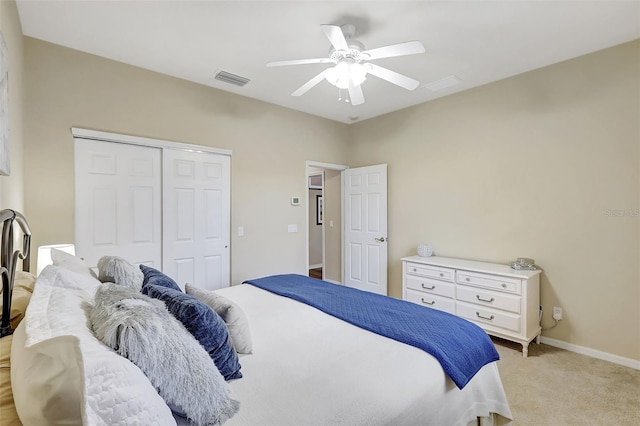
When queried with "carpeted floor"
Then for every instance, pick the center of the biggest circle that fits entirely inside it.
(557, 387)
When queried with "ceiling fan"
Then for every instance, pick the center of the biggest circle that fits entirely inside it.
(352, 66)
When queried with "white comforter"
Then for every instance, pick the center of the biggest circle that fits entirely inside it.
(309, 368)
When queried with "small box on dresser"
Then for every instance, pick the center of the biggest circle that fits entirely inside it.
(503, 301)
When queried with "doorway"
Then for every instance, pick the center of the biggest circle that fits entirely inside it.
(353, 225)
(316, 222)
(324, 213)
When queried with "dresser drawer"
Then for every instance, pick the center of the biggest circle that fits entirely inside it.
(431, 286)
(432, 301)
(488, 316)
(509, 285)
(429, 271)
(493, 299)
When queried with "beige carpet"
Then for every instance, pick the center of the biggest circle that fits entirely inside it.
(557, 387)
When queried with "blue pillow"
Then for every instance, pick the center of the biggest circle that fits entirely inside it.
(205, 325)
(155, 277)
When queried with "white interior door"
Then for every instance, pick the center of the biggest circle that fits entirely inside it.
(365, 228)
(196, 224)
(117, 202)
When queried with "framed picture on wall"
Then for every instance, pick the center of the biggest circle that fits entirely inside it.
(4, 108)
(319, 210)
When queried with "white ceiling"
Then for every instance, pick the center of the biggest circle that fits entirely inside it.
(477, 41)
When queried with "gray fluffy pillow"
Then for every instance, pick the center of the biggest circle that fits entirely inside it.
(118, 270)
(142, 330)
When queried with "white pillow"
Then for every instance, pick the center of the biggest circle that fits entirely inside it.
(232, 315)
(114, 390)
(71, 262)
(66, 278)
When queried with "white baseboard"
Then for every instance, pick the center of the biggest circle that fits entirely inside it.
(333, 282)
(616, 359)
(319, 265)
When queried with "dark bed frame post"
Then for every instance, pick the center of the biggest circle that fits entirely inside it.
(9, 259)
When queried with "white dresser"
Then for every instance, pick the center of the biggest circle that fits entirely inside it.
(503, 301)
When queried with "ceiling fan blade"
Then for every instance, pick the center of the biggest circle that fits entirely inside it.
(393, 77)
(299, 62)
(400, 49)
(355, 94)
(335, 36)
(309, 84)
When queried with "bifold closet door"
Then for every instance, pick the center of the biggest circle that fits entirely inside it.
(118, 202)
(196, 222)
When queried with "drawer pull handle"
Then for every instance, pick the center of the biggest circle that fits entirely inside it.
(467, 279)
(415, 270)
(427, 288)
(484, 300)
(487, 318)
(441, 274)
(427, 303)
(504, 285)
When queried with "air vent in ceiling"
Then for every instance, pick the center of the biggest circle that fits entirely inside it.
(444, 83)
(227, 77)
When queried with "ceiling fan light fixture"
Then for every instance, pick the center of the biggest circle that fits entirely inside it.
(340, 75)
(352, 64)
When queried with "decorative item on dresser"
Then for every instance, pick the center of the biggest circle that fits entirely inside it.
(503, 301)
(425, 250)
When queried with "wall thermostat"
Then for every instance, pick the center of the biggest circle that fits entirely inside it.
(295, 201)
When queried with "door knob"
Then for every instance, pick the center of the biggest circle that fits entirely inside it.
(380, 240)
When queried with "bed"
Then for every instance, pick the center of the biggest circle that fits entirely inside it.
(302, 365)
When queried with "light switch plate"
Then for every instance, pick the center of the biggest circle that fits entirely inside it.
(292, 228)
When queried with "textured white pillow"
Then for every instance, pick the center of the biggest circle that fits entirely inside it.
(232, 315)
(114, 390)
(60, 276)
(120, 271)
(71, 262)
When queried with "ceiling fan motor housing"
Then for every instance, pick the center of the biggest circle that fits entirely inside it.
(355, 47)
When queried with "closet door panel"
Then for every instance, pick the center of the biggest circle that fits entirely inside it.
(196, 224)
(118, 202)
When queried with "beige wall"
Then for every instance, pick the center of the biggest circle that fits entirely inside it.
(270, 147)
(12, 186)
(542, 165)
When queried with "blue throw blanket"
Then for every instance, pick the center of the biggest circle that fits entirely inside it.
(461, 346)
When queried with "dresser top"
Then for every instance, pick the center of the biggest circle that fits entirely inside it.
(473, 266)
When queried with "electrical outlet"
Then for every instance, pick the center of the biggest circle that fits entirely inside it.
(557, 313)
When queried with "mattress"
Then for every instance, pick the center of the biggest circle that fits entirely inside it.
(309, 368)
